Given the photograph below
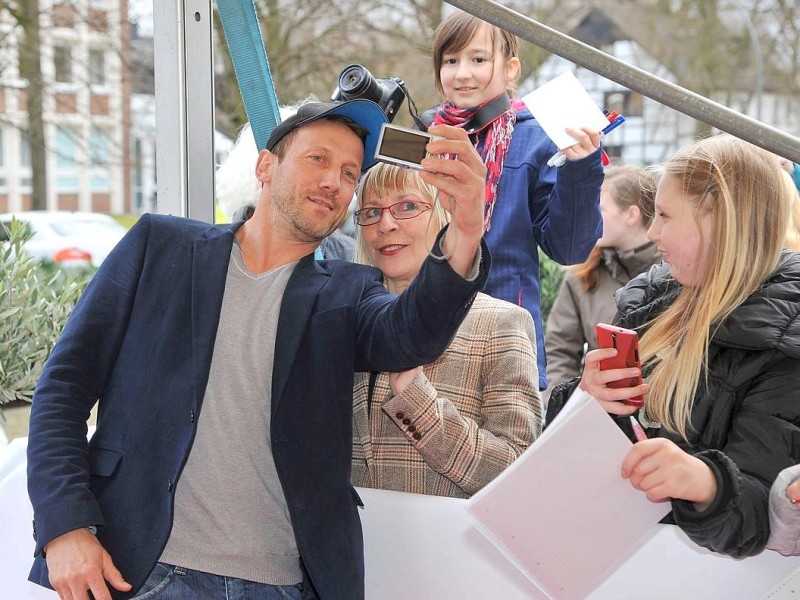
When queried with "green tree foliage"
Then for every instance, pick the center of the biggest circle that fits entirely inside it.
(550, 276)
(35, 301)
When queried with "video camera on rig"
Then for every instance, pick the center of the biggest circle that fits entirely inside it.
(355, 81)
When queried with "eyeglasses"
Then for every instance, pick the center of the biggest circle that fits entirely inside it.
(400, 210)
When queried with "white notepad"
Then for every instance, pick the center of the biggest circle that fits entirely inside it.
(562, 513)
(563, 102)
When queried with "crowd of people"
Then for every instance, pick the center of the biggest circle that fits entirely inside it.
(247, 380)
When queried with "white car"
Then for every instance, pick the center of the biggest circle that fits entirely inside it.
(68, 238)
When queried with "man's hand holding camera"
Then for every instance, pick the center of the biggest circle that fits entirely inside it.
(459, 174)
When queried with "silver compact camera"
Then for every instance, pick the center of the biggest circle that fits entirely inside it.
(402, 146)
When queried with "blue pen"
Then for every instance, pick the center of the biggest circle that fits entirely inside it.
(614, 124)
(559, 158)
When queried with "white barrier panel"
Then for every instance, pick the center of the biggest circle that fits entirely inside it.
(426, 547)
(16, 539)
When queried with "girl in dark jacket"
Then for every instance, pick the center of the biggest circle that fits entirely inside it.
(720, 347)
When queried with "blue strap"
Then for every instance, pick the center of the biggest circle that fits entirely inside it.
(250, 62)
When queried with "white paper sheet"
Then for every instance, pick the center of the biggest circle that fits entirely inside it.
(563, 102)
(561, 512)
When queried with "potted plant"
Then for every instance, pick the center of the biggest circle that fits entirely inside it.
(35, 300)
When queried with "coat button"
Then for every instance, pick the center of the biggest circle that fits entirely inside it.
(169, 486)
(191, 416)
(411, 429)
(417, 435)
(406, 421)
(400, 415)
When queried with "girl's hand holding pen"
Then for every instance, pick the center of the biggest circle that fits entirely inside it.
(588, 142)
(663, 471)
(560, 157)
(655, 466)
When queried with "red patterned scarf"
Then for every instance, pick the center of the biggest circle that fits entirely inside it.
(497, 139)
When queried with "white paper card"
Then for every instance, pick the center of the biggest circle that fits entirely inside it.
(563, 102)
(562, 513)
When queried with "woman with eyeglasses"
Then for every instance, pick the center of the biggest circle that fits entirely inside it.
(450, 427)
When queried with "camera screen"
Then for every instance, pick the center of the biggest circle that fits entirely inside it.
(402, 145)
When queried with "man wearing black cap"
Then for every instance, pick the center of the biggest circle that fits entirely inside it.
(222, 359)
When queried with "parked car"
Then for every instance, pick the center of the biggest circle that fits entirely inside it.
(67, 238)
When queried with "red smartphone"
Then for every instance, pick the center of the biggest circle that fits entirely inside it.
(626, 341)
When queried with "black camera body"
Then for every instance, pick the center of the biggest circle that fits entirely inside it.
(355, 81)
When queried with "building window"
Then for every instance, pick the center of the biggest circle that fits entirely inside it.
(613, 152)
(97, 67)
(62, 58)
(138, 198)
(66, 164)
(98, 151)
(26, 170)
(625, 103)
(3, 180)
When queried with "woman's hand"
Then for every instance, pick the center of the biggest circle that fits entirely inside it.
(399, 381)
(595, 382)
(663, 471)
(588, 142)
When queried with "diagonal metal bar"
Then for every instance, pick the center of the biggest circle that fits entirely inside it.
(636, 79)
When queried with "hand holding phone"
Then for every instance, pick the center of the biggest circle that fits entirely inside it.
(626, 341)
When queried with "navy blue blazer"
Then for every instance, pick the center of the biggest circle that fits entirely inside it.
(140, 342)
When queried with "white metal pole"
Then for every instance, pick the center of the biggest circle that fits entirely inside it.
(200, 128)
(184, 76)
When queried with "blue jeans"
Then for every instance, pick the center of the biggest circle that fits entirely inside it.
(167, 582)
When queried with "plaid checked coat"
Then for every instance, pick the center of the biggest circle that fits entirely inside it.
(460, 422)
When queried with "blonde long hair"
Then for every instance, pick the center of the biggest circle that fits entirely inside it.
(793, 226)
(740, 186)
(383, 179)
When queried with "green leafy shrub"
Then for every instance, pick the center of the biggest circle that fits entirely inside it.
(35, 301)
(550, 276)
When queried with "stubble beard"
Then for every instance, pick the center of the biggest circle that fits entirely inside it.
(288, 209)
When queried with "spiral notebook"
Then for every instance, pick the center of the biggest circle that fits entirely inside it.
(561, 512)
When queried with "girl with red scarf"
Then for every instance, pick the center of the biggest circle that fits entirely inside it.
(528, 204)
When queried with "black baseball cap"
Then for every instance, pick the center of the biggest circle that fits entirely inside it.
(365, 113)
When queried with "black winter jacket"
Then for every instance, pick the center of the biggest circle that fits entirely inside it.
(746, 419)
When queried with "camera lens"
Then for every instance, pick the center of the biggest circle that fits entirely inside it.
(352, 78)
(356, 82)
